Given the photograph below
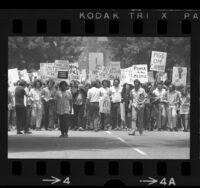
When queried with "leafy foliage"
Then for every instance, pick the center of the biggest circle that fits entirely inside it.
(29, 52)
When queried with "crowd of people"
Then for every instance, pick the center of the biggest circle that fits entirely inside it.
(80, 106)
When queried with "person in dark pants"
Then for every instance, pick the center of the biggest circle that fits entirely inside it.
(116, 96)
(64, 107)
(20, 108)
(79, 107)
(73, 116)
(48, 94)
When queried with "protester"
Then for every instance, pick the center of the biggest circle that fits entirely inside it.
(28, 105)
(104, 103)
(64, 107)
(125, 100)
(171, 97)
(149, 108)
(37, 107)
(10, 106)
(137, 100)
(20, 108)
(79, 107)
(93, 97)
(159, 93)
(116, 97)
(75, 108)
(48, 94)
(184, 108)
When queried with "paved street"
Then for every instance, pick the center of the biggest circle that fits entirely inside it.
(99, 145)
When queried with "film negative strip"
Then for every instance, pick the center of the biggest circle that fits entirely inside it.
(130, 112)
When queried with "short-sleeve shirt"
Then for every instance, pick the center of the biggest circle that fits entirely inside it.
(173, 98)
(48, 93)
(136, 95)
(93, 94)
(19, 95)
(116, 94)
(185, 104)
(104, 92)
(159, 93)
(63, 102)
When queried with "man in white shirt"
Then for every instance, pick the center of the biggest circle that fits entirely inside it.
(159, 93)
(104, 103)
(137, 101)
(93, 96)
(116, 96)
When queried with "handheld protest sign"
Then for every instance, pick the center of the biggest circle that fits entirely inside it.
(73, 141)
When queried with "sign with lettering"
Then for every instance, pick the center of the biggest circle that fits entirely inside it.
(115, 70)
(158, 61)
(48, 70)
(13, 75)
(95, 61)
(140, 73)
(179, 76)
(74, 73)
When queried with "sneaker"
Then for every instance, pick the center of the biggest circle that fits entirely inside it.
(19, 132)
(61, 136)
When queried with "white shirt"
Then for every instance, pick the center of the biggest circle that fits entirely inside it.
(159, 93)
(104, 92)
(93, 94)
(116, 94)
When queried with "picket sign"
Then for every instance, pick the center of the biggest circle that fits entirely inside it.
(95, 61)
(74, 73)
(179, 76)
(158, 61)
(140, 72)
(115, 70)
(13, 75)
(105, 105)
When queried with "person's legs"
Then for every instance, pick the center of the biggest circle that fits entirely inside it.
(118, 111)
(158, 116)
(96, 115)
(51, 115)
(147, 117)
(28, 116)
(90, 116)
(174, 118)
(76, 111)
(61, 120)
(8, 120)
(18, 118)
(186, 122)
(163, 117)
(46, 115)
(112, 115)
(133, 120)
(102, 121)
(140, 120)
(39, 118)
(65, 124)
(169, 117)
(24, 120)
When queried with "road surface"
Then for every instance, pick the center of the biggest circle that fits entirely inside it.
(99, 145)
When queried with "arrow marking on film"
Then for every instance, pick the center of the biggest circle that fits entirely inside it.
(53, 181)
(150, 181)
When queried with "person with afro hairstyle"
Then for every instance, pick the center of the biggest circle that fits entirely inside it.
(37, 107)
(48, 94)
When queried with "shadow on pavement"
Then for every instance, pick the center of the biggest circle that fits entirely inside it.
(41, 143)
